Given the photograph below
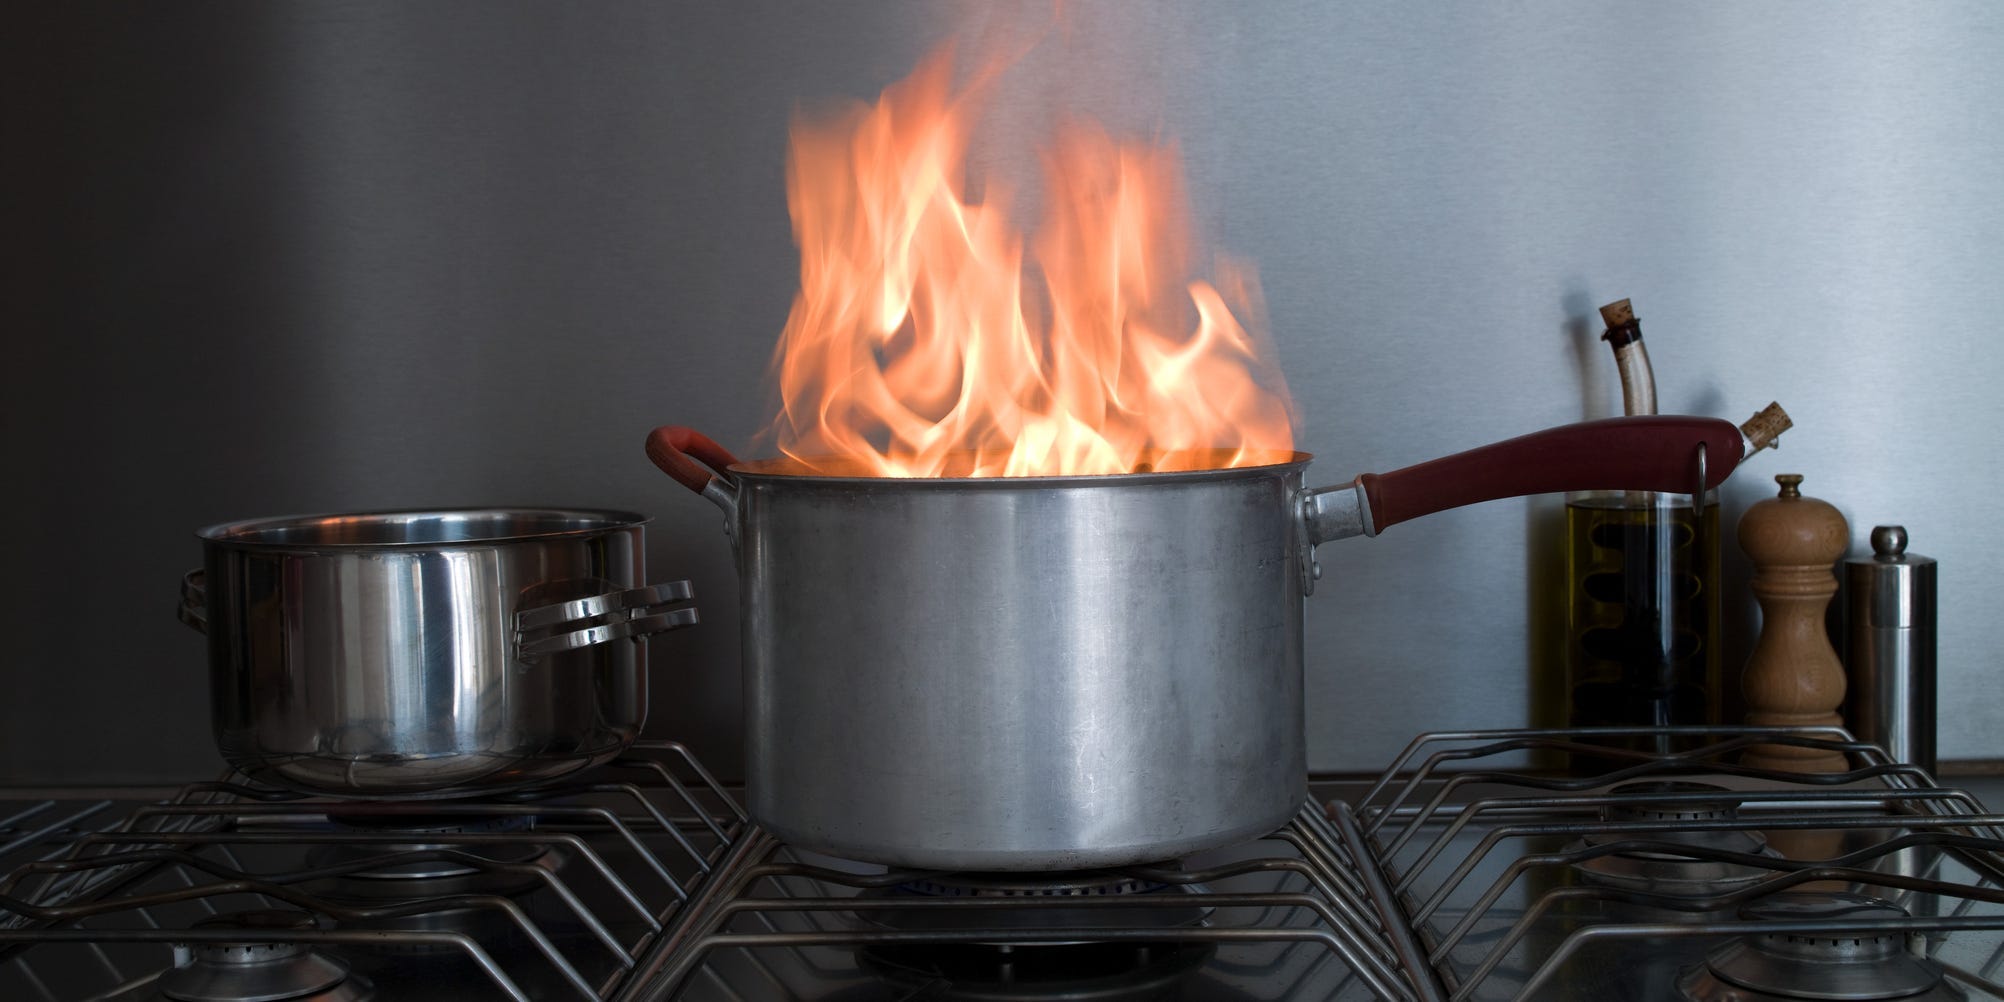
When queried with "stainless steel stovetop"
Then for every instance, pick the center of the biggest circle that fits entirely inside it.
(1482, 865)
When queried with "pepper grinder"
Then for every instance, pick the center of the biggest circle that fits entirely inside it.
(1794, 677)
(1889, 633)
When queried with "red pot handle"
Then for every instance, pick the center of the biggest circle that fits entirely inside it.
(671, 448)
(1653, 453)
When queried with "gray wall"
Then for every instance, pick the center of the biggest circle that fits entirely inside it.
(279, 258)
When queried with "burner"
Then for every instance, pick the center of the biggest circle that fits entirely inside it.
(1157, 905)
(1669, 873)
(416, 880)
(1771, 967)
(432, 877)
(1075, 966)
(257, 969)
(1076, 884)
(1078, 972)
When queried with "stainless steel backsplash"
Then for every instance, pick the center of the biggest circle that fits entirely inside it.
(286, 258)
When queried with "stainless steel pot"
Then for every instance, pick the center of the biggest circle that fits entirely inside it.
(1069, 672)
(427, 653)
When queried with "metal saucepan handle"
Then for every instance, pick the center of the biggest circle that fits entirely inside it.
(695, 462)
(194, 609)
(1652, 453)
(636, 612)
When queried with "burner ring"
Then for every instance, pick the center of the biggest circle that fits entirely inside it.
(1871, 964)
(260, 966)
(1084, 883)
(1057, 897)
(1665, 871)
(1100, 972)
(1721, 802)
(431, 833)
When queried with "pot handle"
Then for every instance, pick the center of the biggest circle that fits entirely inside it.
(194, 609)
(695, 462)
(1645, 453)
(625, 615)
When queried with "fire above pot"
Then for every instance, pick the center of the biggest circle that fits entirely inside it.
(1024, 590)
(1035, 673)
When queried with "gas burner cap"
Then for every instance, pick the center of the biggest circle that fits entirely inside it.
(406, 875)
(1646, 802)
(1089, 972)
(1077, 884)
(362, 819)
(261, 966)
(1667, 872)
(1772, 967)
(1153, 905)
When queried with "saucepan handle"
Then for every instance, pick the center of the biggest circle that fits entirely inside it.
(619, 615)
(695, 462)
(1651, 453)
(194, 609)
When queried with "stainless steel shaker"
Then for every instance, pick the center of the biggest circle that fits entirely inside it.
(1889, 648)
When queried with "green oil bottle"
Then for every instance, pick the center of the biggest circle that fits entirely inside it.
(1642, 627)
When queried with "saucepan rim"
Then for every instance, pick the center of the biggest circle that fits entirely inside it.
(774, 470)
(513, 524)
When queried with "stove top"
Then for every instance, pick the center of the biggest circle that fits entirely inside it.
(1633, 864)
(229, 891)
(1649, 865)
(1286, 916)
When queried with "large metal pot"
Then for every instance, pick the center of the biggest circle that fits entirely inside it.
(427, 653)
(1070, 672)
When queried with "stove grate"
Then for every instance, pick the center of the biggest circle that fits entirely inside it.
(1300, 894)
(639, 843)
(1481, 865)
(1489, 842)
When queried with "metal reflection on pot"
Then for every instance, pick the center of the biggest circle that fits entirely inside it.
(1064, 673)
(427, 653)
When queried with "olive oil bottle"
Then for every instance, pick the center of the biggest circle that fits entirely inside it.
(1642, 581)
(1641, 570)
(1643, 609)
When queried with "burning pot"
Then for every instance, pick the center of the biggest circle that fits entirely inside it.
(1024, 592)
(1035, 673)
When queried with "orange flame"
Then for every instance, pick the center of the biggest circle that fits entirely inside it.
(919, 347)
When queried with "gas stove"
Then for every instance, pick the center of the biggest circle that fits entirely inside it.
(1650, 865)
(229, 891)
(1633, 864)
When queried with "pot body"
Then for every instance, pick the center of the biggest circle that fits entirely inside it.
(1072, 672)
(1024, 673)
(427, 653)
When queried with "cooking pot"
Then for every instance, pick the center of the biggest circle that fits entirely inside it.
(427, 653)
(1041, 673)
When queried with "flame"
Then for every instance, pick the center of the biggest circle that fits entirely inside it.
(922, 344)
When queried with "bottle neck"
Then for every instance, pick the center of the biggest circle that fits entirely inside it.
(1631, 359)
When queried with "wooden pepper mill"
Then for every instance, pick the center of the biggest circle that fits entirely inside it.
(1794, 677)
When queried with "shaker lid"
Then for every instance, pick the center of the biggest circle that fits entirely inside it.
(1889, 546)
(1891, 588)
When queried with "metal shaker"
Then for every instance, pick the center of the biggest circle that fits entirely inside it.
(1889, 647)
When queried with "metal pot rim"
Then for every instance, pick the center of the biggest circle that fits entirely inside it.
(764, 471)
(272, 533)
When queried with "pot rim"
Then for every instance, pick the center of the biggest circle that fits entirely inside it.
(245, 533)
(761, 471)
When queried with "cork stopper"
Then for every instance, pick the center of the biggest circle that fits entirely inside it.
(1618, 313)
(1763, 430)
(1622, 327)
